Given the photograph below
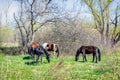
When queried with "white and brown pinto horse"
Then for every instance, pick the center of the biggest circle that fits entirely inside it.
(52, 47)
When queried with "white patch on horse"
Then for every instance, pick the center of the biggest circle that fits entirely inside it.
(45, 45)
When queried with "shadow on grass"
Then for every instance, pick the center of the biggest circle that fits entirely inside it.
(88, 62)
(27, 57)
(30, 63)
(34, 63)
(81, 61)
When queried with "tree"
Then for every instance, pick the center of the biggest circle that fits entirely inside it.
(100, 10)
(115, 37)
(99, 15)
(29, 18)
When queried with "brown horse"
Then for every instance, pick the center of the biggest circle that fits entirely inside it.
(36, 49)
(31, 48)
(95, 51)
(51, 47)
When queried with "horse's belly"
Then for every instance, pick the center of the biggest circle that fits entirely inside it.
(88, 52)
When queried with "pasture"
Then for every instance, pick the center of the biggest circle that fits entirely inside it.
(65, 25)
(22, 67)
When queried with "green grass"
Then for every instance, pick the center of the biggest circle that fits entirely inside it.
(63, 68)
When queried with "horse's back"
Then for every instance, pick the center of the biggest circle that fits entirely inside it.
(35, 44)
(88, 49)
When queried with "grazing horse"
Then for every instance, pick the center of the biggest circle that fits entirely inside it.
(36, 49)
(51, 47)
(95, 51)
(31, 48)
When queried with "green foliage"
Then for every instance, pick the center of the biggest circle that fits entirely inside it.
(109, 1)
(63, 68)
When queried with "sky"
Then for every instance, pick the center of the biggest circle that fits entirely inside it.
(71, 5)
(13, 7)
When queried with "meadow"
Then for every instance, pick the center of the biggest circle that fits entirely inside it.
(22, 67)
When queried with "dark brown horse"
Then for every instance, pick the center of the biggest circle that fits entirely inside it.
(51, 47)
(36, 49)
(95, 51)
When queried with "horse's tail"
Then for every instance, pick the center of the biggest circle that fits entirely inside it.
(58, 51)
(99, 55)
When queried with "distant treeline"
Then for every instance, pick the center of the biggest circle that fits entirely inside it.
(11, 50)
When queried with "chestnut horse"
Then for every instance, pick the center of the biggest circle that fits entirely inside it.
(36, 49)
(51, 47)
(95, 51)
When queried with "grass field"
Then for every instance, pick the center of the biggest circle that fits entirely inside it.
(63, 68)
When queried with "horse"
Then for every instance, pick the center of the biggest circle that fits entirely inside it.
(95, 51)
(36, 49)
(52, 47)
(31, 48)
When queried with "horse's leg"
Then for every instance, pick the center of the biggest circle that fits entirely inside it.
(93, 58)
(54, 52)
(33, 55)
(41, 58)
(85, 58)
(37, 59)
(83, 55)
(98, 54)
(57, 51)
(48, 57)
(96, 57)
(54, 49)
(57, 54)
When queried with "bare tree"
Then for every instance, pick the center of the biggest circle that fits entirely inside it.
(100, 12)
(115, 21)
(29, 18)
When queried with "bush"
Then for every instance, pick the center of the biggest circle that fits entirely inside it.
(11, 50)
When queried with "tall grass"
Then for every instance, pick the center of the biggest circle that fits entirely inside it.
(63, 68)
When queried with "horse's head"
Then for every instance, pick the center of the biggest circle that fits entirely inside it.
(77, 54)
(47, 54)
